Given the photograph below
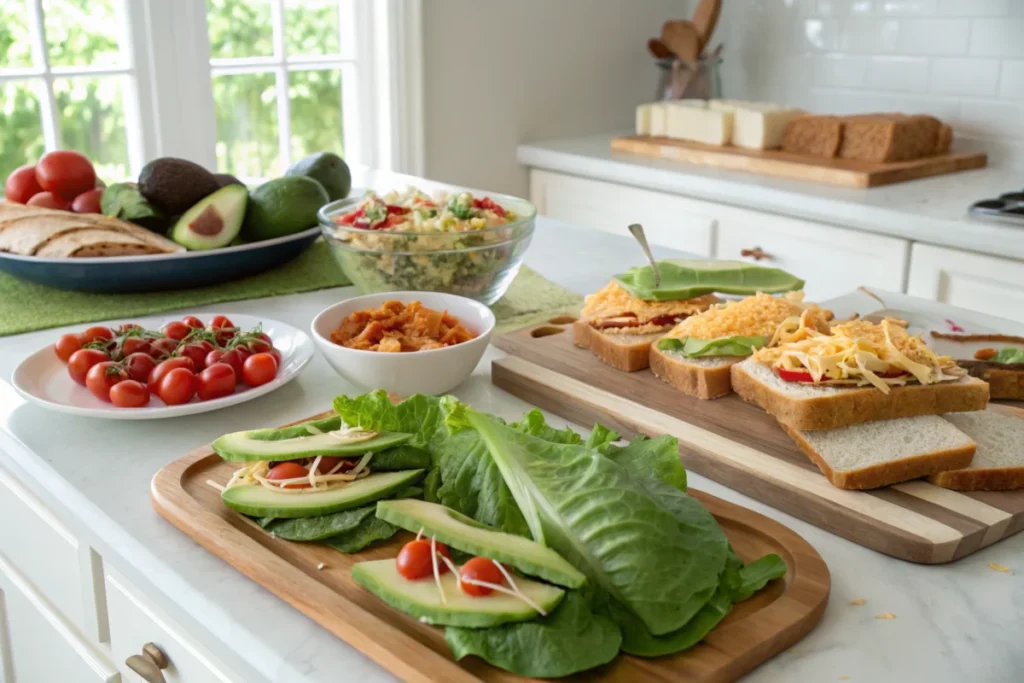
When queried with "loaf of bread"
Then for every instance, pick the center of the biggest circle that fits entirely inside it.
(814, 135)
(889, 137)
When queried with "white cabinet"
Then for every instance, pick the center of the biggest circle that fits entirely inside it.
(668, 220)
(982, 283)
(833, 261)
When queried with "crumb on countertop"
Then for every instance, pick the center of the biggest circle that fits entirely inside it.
(858, 602)
(844, 678)
(321, 566)
(999, 568)
(885, 615)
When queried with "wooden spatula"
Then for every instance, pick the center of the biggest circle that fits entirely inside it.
(658, 49)
(705, 18)
(683, 39)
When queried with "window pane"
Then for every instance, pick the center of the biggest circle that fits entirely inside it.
(315, 98)
(247, 143)
(21, 141)
(81, 32)
(91, 112)
(240, 28)
(311, 27)
(15, 41)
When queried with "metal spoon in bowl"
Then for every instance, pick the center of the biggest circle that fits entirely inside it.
(637, 231)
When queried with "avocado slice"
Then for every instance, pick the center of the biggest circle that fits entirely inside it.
(248, 446)
(214, 222)
(421, 599)
(283, 206)
(466, 534)
(328, 169)
(259, 501)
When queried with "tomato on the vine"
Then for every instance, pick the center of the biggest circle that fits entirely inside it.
(193, 322)
(139, 365)
(177, 386)
(258, 369)
(223, 329)
(67, 345)
(262, 344)
(157, 374)
(479, 569)
(197, 353)
(130, 345)
(163, 347)
(127, 327)
(81, 362)
(236, 358)
(176, 330)
(103, 376)
(129, 394)
(216, 381)
(415, 560)
(97, 332)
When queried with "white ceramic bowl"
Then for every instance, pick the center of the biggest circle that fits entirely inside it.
(436, 371)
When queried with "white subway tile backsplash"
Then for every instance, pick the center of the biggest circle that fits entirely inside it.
(934, 36)
(904, 74)
(868, 36)
(1011, 80)
(975, 8)
(998, 37)
(909, 7)
(992, 119)
(839, 70)
(962, 76)
(845, 7)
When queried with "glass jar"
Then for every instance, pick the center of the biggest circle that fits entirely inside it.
(677, 81)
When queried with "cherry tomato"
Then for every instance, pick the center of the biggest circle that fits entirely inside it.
(65, 173)
(139, 365)
(193, 322)
(415, 562)
(224, 329)
(328, 463)
(288, 470)
(162, 348)
(236, 358)
(258, 369)
(264, 344)
(67, 345)
(277, 356)
(479, 569)
(197, 353)
(82, 360)
(130, 345)
(123, 329)
(177, 386)
(88, 201)
(215, 381)
(213, 357)
(102, 376)
(97, 332)
(48, 200)
(176, 330)
(22, 185)
(129, 394)
(157, 374)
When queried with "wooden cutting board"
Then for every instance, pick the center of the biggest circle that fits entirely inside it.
(741, 446)
(773, 620)
(775, 162)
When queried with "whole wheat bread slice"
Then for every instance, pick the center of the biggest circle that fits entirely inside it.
(627, 352)
(705, 378)
(998, 464)
(806, 408)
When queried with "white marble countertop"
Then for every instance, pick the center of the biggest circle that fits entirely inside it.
(953, 623)
(932, 210)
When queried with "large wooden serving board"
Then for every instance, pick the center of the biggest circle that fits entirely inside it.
(741, 446)
(846, 172)
(773, 620)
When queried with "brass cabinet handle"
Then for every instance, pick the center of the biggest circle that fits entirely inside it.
(149, 664)
(757, 254)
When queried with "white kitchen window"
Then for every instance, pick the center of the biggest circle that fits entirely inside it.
(243, 86)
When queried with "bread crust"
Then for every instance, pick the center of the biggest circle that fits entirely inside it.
(628, 353)
(993, 479)
(1005, 384)
(862, 404)
(886, 473)
(703, 382)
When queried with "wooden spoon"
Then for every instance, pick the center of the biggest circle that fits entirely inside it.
(658, 49)
(683, 39)
(705, 18)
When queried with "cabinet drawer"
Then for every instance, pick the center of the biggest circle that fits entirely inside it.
(668, 220)
(981, 283)
(833, 261)
(37, 643)
(135, 621)
(41, 548)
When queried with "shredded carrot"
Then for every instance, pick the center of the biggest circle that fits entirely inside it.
(396, 327)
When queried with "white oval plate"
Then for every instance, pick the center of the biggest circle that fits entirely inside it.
(43, 379)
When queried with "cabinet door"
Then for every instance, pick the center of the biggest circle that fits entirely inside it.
(37, 644)
(668, 220)
(981, 283)
(833, 261)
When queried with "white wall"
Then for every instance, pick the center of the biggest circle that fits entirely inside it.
(502, 72)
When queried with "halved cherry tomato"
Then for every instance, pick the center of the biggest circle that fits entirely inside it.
(65, 173)
(139, 365)
(197, 353)
(158, 373)
(97, 332)
(81, 362)
(162, 348)
(215, 381)
(479, 569)
(102, 376)
(288, 470)
(67, 345)
(176, 330)
(22, 185)
(193, 322)
(414, 560)
(129, 394)
(259, 369)
(177, 386)
(48, 200)
(88, 202)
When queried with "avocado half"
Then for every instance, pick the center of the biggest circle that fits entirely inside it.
(214, 222)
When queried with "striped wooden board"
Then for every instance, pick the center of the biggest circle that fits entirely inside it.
(741, 446)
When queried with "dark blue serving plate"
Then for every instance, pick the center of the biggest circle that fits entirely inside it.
(158, 272)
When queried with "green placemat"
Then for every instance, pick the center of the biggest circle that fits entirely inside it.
(26, 307)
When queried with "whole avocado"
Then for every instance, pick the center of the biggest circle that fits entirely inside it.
(283, 206)
(328, 169)
(225, 179)
(175, 185)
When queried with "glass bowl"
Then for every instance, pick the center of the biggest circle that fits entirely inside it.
(478, 264)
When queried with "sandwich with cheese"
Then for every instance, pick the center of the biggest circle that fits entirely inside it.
(697, 354)
(996, 358)
(858, 372)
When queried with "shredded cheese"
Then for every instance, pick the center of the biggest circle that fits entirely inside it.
(312, 471)
(363, 462)
(614, 303)
(352, 435)
(219, 487)
(761, 315)
(437, 573)
(518, 593)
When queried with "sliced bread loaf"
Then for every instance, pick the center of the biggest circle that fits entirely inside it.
(998, 464)
(875, 454)
(627, 352)
(704, 378)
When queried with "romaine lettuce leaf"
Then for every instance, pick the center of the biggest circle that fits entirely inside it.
(321, 527)
(658, 458)
(1009, 355)
(710, 348)
(533, 423)
(601, 436)
(418, 415)
(370, 530)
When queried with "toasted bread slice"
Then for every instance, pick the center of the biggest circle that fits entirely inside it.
(704, 378)
(874, 454)
(627, 352)
(805, 408)
(998, 464)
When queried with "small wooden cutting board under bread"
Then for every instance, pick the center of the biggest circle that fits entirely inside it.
(740, 445)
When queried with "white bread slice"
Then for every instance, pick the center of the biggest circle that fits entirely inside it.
(705, 378)
(627, 352)
(998, 464)
(805, 407)
(874, 454)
